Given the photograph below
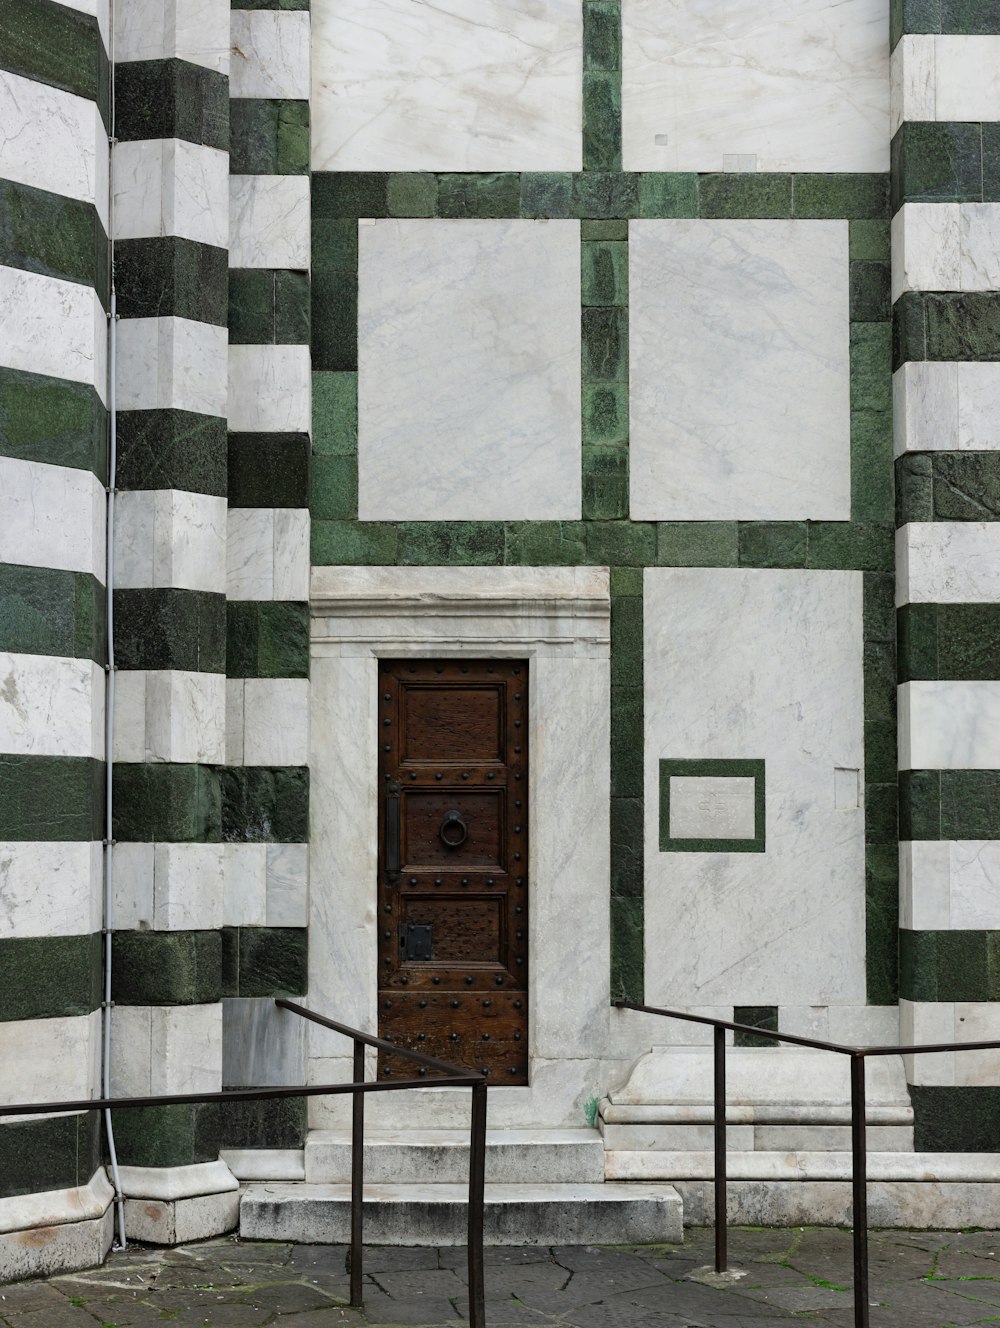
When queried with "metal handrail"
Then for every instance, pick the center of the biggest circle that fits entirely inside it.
(454, 1075)
(859, 1155)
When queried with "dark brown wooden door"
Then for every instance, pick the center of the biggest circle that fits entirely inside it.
(453, 863)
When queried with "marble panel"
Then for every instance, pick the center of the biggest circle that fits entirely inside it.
(192, 30)
(188, 887)
(169, 537)
(712, 807)
(270, 53)
(186, 1042)
(966, 78)
(287, 881)
(977, 1021)
(949, 885)
(50, 1060)
(185, 716)
(171, 187)
(469, 370)
(270, 389)
(53, 140)
(739, 370)
(234, 721)
(172, 363)
(946, 406)
(922, 1023)
(131, 1051)
(948, 562)
(269, 221)
(129, 741)
(291, 553)
(797, 85)
(261, 1044)
(276, 721)
(948, 725)
(250, 553)
(864, 1025)
(481, 85)
(50, 889)
(51, 706)
(244, 901)
(946, 247)
(51, 516)
(132, 898)
(54, 327)
(912, 80)
(766, 665)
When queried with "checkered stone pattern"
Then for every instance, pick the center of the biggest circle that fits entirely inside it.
(946, 389)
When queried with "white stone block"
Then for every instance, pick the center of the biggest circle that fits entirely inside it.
(172, 363)
(924, 885)
(269, 389)
(801, 85)
(50, 1060)
(913, 80)
(130, 715)
(171, 187)
(946, 247)
(740, 392)
(66, 1247)
(946, 406)
(54, 327)
(924, 1023)
(245, 885)
(132, 900)
(234, 721)
(947, 885)
(269, 217)
(188, 882)
(50, 889)
(131, 1051)
(178, 1221)
(262, 1044)
(276, 721)
(287, 883)
(169, 537)
(291, 553)
(51, 706)
(977, 1021)
(186, 1042)
(192, 30)
(786, 925)
(185, 716)
(948, 725)
(267, 553)
(712, 807)
(469, 370)
(948, 562)
(967, 78)
(51, 516)
(477, 86)
(980, 223)
(270, 53)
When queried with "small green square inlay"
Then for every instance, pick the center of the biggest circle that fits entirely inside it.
(728, 769)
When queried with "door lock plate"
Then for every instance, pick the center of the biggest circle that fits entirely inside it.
(416, 941)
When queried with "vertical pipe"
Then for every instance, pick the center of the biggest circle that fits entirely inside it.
(859, 1181)
(477, 1188)
(357, 1173)
(721, 1206)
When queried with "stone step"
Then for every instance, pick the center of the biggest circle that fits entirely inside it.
(437, 1214)
(441, 1157)
(644, 1167)
(811, 1138)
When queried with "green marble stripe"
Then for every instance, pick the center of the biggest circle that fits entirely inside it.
(172, 449)
(49, 977)
(956, 1120)
(970, 18)
(267, 639)
(281, 1123)
(48, 612)
(268, 307)
(948, 486)
(54, 236)
(167, 802)
(959, 642)
(757, 1016)
(58, 1153)
(335, 414)
(626, 810)
(51, 798)
(949, 804)
(602, 85)
(168, 628)
(269, 469)
(945, 162)
(949, 965)
(53, 44)
(171, 99)
(168, 276)
(334, 300)
(946, 326)
(167, 1136)
(166, 967)
(271, 4)
(53, 421)
(268, 137)
(264, 961)
(265, 804)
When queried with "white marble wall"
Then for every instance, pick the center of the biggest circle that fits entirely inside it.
(269, 389)
(169, 887)
(945, 886)
(951, 1021)
(949, 77)
(739, 370)
(751, 664)
(170, 715)
(269, 221)
(267, 553)
(54, 327)
(941, 405)
(946, 247)
(171, 363)
(171, 187)
(166, 1049)
(948, 725)
(193, 30)
(267, 721)
(50, 889)
(948, 562)
(51, 706)
(51, 516)
(270, 53)
(170, 537)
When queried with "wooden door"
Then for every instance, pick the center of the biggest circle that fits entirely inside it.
(453, 863)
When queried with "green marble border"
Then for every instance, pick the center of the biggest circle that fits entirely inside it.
(969, 18)
(948, 486)
(171, 99)
(164, 448)
(268, 136)
(267, 639)
(49, 977)
(946, 325)
(54, 798)
(731, 769)
(53, 236)
(759, 1016)
(268, 307)
(602, 85)
(269, 470)
(265, 961)
(949, 804)
(170, 276)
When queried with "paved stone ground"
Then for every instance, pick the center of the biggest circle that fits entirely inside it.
(919, 1280)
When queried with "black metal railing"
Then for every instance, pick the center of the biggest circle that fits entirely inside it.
(859, 1155)
(454, 1076)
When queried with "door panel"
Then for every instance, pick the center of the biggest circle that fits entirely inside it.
(453, 863)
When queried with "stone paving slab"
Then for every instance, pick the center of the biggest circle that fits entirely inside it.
(800, 1275)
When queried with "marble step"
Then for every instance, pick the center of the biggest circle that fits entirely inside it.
(436, 1214)
(689, 1164)
(441, 1157)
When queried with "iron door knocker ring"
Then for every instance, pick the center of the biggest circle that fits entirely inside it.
(453, 822)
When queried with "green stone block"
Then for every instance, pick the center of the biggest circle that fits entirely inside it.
(626, 640)
(278, 1123)
(38, 608)
(881, 816)
(546, 194)
(497, 195)
(173, 803)
(350, 194)
(871, 367)
(970, 804)
(602, 121)
(52, 235)
(668, 194)
(627, 952)
(914, 489)
(626, 742)
(857, 197)
(949, 965)
(90, 638)
(881, 924)
(291, 308)
(936, 163)
(167, 1136)
(872, 496)
(269, 469)
(696, 544)
(627, 848)
(621, 543)
(53, 421)
(602, 43)
(335, 321)
(603, 230)
(604, 272)
(626, 581)
(271, 961)
(914, 16)
(956, 1120)
(991, 163)
(269, 137)
(605, 195)
(968, 641)
(870, 299)
(966, 486)
(605, 484)
(335, 414)
(251, 307)
(843, 544)
(51, 798)
(970, 18)
(265, 804)
(868, 241)
(166, 967)
(920, 804)
(267, 639)
(334, 488)
(605, 345)
(879, 607)
(173, 98)
(879, 682)
(412, 194)
(169, 276)
(170, 628)
(961, 326)
(544, 544)
(734, 194)
(335, 246)
(52, 44)
(52, 1153)
(918, 641)
(51, 977)
(756, 1016)
(772, 543)
(605, 413)
(172, 449)
(439, 543)
(880, 751)
(353, 543)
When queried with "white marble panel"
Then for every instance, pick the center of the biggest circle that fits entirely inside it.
(922, 1023)
(185, 716)
(186, 1042)
(757, 664)
(50, 1060)
(740, 392)
(287, 885)
(712, 807)
(193, 30)
(948, 725)
(912, 80)
(276, 721)
(171, 187)
(169, 537)
(469, 370)
(270, 53)
(270, 389)
(980, 223)
(51, 516)
(269, 220)
(172, 363)
(131, 1051)
(53, 140)
(946, 405)
(50, 889)
(946, 247)
(132, 898)
(945, 885)
(799, 85)
(188, 887)
(291, 553)
(51, 706)
(234, 721)
(967, 78)
(261, 1043)
(245, 889)
(129, 742)
(476, 85)
(948, 562)
(250, 553)
(977, 1021)
(54, 327)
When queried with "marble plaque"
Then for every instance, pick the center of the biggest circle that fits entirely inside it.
(711, 807)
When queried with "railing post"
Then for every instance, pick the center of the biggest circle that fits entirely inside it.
(859, 1182)
(721, 1205)
(357, 1173)
(477, 1186)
